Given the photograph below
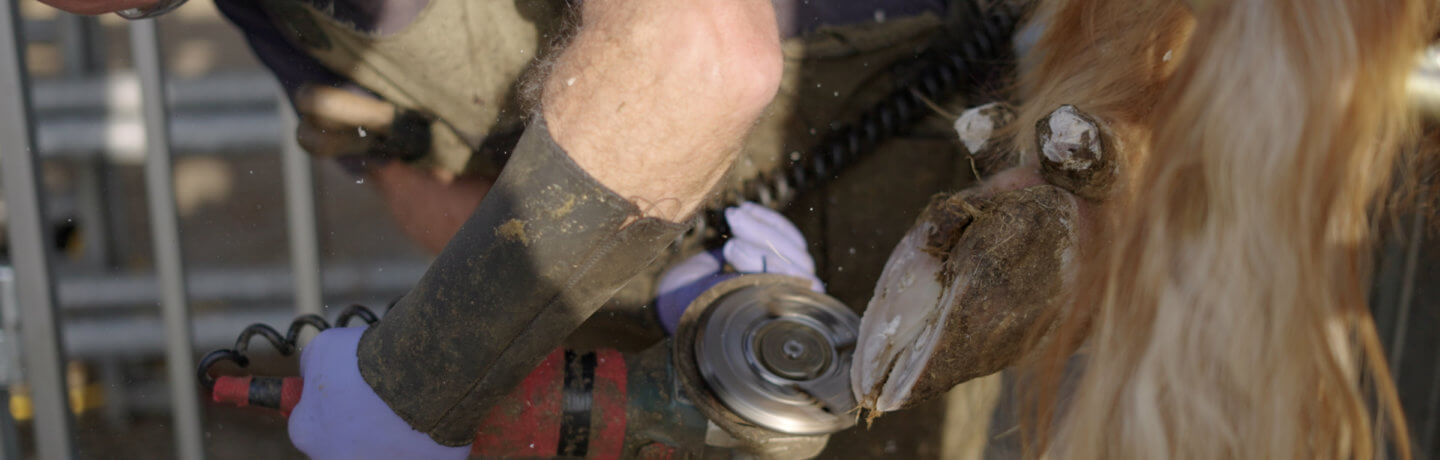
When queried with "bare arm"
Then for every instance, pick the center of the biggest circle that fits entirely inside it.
(640, 118)
(654, 97)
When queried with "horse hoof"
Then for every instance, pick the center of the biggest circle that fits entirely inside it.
(964, 293)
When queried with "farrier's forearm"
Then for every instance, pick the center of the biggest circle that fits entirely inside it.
(644, 113)
(547, 246)
(654, 96)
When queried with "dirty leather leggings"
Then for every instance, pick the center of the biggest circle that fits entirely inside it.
(543, 251)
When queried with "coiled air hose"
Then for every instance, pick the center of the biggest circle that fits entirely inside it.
(982, 39)
(286, 344)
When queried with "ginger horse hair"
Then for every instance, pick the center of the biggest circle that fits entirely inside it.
(1223, 309)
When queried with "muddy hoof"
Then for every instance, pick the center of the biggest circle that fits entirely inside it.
(1077, 152)
(962, 292)
(979, 129)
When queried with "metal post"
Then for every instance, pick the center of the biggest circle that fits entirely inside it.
(9, 364)
(165, 226)
(75, 44)
(300, 215)
(77, 52)
(30, 247)
(91, 185)
(1407, 289)
(9, 434)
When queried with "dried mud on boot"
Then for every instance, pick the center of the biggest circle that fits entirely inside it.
(963, 292)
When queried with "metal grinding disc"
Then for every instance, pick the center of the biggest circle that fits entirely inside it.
(779, 356)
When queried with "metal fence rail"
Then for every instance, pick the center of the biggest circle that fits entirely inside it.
(165, 231)
(300, 218)
(44, 359)
(77, 110)
(89, 115)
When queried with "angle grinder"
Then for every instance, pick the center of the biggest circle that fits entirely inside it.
(767, 361)
(758, 367)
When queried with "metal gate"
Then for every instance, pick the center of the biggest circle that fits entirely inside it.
(31, 288)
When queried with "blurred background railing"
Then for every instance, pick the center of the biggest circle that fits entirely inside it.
(155, 203)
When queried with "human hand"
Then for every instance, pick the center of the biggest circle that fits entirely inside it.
(337, 122)
(429, 204)
(340, 417)
(429, 211)
(762, 241)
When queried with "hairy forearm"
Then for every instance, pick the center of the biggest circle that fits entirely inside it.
(641, 116)
(653, 97)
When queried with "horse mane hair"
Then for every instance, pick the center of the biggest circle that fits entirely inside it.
(1221, 312)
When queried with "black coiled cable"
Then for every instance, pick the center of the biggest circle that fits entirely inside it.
(285, 344)
(985, 39)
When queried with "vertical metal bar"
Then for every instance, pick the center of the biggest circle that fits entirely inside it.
(165, 226)
(74, 44)
(1432, 411)
(77, 52)
(1407, 289)
(117, 406)
(9, 367)
(30, 244)
(9, 433)
(1399, 328)
(91, 184)
(300, 215)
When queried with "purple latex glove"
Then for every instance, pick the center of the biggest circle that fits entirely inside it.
(340, 417)
(762, 241)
